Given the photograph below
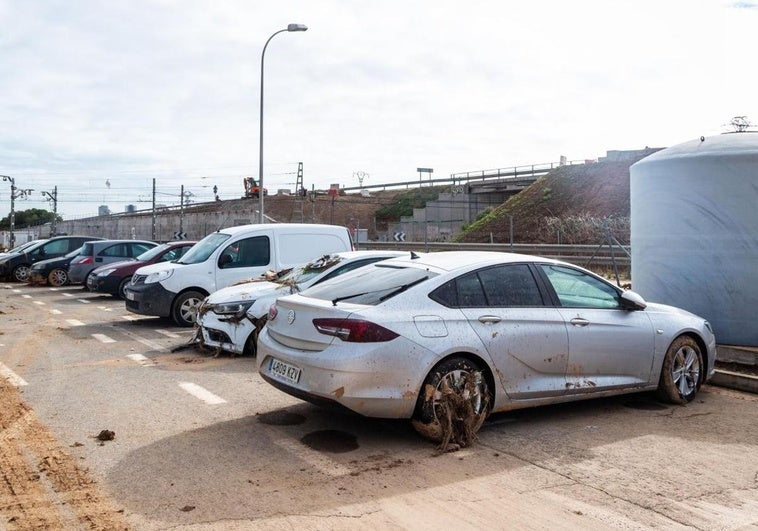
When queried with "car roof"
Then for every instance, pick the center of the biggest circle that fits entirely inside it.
(454, 260)
(304, 226)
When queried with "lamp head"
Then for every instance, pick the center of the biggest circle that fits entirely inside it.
(297, 27)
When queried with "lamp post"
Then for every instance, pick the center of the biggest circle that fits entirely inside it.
(11, 239)
(290, 27)
(54, 199)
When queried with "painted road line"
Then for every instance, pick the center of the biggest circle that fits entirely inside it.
(169, 334)
(53, 289)
(11, 376)
(142, 360)
(56, 312)
(84, 301)
(105, 308)
(67, 295)
(27, 296)
(140, 339)
(74, 322)
(129, 317)
(39, 302)
(16, 291)
(103, 338)
(201, 393)
(317, 460)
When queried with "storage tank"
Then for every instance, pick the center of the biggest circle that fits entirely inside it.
(694, 231)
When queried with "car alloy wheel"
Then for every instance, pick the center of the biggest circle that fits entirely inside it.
(682, 371)
(57, 277)
(185, 308)
(22, 273)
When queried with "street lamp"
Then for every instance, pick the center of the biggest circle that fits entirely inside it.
(11, 239)
(290, 27)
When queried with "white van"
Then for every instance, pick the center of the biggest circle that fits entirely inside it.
(175, 289)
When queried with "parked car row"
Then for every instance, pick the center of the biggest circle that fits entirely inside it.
(443, 339)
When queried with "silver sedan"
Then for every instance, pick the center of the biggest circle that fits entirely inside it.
(453, 336)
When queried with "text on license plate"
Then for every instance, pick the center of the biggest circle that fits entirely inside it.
(130, 295)
(284, 370)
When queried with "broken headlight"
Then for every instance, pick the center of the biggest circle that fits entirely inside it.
(231, 309)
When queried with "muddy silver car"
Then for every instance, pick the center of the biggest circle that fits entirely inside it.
(452, 336)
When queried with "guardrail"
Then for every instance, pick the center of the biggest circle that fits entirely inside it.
(581, 255)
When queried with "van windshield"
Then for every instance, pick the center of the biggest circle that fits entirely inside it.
(203, 249)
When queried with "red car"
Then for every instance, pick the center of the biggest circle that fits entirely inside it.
(112, 278)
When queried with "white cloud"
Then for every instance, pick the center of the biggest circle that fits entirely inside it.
(169, 89)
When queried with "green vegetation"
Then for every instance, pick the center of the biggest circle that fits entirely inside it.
(31, 217)
(404, 203)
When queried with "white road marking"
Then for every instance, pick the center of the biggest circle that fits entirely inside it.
(142, 360)
(55, 312)
(84, 301)
(321, 462)
(16, 291)
(67, 295)
(103, 338)
(14, 379)
(39, 302)
(105, 308)
(26, 296)
(168, 334)
(140, 339)
(128, 317)
(201, 393)
(53, 289)
(74, 322)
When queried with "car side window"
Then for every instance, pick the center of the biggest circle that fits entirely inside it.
(118, 250)
(510, 285)
(173, 254)
(577, 289)
(469, 291)
(249, 252)
(54, 248)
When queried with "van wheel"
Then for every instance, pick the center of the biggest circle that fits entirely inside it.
(185, 308)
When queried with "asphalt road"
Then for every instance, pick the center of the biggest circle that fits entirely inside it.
(201, 442)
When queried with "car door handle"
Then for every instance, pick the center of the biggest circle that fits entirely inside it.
(489, 319)
(578, 321)
(98, 259)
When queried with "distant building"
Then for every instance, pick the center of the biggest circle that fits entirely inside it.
(130, 209)
(103, 210)
(619, 155)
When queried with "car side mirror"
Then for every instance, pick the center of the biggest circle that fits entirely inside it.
(224, 260)
(632, 301)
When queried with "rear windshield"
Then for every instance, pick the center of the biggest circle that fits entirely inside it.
(86, 249)
(370, 285)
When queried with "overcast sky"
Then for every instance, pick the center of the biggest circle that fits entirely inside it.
(100, 97)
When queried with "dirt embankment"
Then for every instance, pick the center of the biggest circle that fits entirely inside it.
(42, 486)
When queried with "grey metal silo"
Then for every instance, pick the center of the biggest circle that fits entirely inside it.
(694, 231)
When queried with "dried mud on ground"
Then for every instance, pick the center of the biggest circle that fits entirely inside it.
(42, 486)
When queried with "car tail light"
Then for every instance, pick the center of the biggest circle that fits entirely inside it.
(272, 311)
(85, 261)
(354, 331)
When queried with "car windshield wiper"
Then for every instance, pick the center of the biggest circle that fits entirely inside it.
(383, 298)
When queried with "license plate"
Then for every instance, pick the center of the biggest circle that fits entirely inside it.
(285, 371)
(130, 295)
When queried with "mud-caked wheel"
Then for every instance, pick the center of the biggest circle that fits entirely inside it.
(185, 308)
(682, 371)
(58, 277)
(453, 403)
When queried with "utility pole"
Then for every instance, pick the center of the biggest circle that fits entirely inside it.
(54, 198)
(153, 237)
(14, 195)
(181, 211)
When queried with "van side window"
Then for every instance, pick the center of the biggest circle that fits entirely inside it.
(249, 252)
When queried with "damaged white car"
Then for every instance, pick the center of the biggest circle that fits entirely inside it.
(230, 318)
(446, 338)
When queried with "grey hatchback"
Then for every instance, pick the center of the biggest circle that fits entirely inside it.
(97, 253)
